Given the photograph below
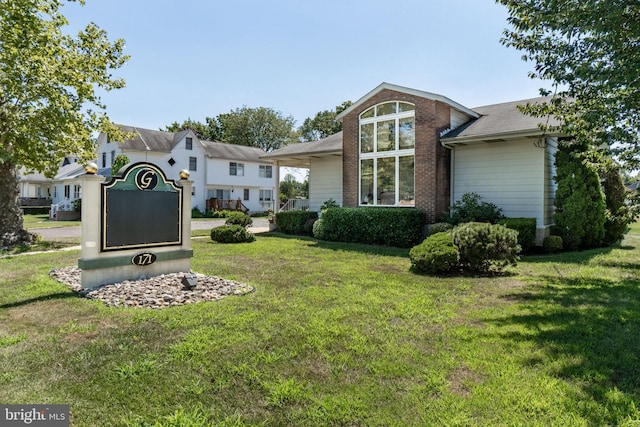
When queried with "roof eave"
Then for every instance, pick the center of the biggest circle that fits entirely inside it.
(496, 137)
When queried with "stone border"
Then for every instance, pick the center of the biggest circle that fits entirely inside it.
(161, 291)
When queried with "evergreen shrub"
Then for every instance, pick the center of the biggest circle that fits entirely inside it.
(485, 246)
(439, 227)
(471, 208)
(552, 244)
(231, 234)
(400, 227)
(436, 254)
(238, 218)
(318, 229)
(526, 228)
(299, 223)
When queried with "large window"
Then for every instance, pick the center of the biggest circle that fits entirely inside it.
(387, 151)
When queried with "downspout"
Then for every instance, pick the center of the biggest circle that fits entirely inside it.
(452, 164)
(276, 191)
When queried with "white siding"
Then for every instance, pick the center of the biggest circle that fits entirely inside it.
(513, 175)
(457, 118)
(325, 181)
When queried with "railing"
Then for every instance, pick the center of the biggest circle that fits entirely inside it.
(65, 205)
(226, 205)
(35, 202)
(295, 205)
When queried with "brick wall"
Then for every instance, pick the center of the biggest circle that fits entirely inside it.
(432, 161)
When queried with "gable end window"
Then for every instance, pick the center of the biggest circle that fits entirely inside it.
(193, 163)
(189, 143)
(387, 155)
(236, 169)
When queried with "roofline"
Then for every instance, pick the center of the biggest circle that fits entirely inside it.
(301, 154)
(409, 91)
(490, 137)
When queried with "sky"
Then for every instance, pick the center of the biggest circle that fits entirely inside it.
(200, 58)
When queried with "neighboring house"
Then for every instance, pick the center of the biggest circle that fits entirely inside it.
(58, 192)
(218, 171)
(406, 147)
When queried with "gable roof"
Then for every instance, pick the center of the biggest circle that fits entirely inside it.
(161, 141)
(221, 150)
(415, 92)
(298, 155)
(500, 121)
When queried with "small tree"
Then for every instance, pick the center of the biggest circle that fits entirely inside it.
(618, 215)
(118, 163)
(579, 201)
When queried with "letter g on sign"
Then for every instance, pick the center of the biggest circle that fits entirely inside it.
(146, 179)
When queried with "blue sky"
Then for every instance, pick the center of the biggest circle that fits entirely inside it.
(200, 58)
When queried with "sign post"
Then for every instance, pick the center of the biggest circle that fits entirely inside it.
(138, 224)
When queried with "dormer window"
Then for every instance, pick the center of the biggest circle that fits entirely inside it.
(189, 143)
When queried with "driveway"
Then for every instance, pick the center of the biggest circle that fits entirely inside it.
(260, 225)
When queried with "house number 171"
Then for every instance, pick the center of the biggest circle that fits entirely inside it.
(145, 258)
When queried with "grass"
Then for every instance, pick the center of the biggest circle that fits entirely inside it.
(335, 334)
(42, 221)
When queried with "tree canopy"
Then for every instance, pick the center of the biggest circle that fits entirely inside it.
(208, 131)
(49, 107)
(323, 124)
(589, 50)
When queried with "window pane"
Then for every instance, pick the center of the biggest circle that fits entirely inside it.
(386, 181)
(240, 169)
(368, 113)
(366, 182)
(406, 178)
(387, 135)
(407, 136)
(387, 108)
(403, 106)
(366, 138)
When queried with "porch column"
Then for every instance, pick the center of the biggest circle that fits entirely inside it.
(276, 191)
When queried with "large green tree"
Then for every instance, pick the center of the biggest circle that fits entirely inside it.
(323, 124)
(208, 131)
(49, 106)
(257, 127)
(589, 52)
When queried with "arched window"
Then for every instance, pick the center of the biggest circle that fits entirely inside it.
(386, 155)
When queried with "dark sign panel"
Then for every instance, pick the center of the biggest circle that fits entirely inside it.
(141, 209)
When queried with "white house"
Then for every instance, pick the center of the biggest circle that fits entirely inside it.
(406, 147)
(225, 172)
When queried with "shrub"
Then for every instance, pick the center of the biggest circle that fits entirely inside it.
(485, 246)
(618, 215)
(526, 228)
(439, 227)
(436, 254)
(401, 227)
(196, 213)
(296, 222)
(329, 204)
(552, 244)
(231, 234)
(318, 229)
(470, 208)
(238, 218)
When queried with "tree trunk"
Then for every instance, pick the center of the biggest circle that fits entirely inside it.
(12, 232)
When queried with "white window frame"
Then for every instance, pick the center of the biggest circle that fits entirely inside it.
(395, 153)
(265, 171)
(236, 168)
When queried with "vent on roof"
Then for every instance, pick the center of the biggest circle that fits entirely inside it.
(171, 162)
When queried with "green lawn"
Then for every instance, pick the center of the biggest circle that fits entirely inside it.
(42, 221)
(335, 334)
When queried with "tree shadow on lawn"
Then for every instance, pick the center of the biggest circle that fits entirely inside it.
(575, 256)
(348, 247)
(56, 296)
(589, 328)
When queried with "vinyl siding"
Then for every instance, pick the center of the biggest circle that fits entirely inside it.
(511, 175)
(325, 181)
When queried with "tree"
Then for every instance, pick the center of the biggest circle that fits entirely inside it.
(208, 131)
(580, 203)
(589, 51)
(289, 187)
(120, 161)
(324, 124)
(48, 84)
(260, 127)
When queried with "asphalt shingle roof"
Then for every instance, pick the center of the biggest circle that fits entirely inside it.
(328, 144)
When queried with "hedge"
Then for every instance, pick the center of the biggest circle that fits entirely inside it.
(436, 254)
(526, 228)
(299, 223)
(401, 227)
